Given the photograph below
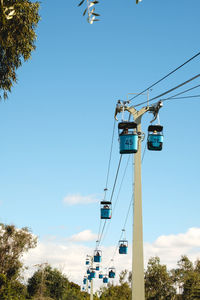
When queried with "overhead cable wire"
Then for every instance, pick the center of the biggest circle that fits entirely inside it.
(99, 240)
(127, 215)
(186, 97)
(126, 219)
(128, 212)
(116, 201)
(181, 93)
(178, 98)
(185, 91)
(108, 173)
(113, 189)
(116, 178)
(109, 162)
(144, 152)
(179, 67)
(169, 91)
(121, 183)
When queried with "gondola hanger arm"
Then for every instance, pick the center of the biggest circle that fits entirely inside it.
(138, 114)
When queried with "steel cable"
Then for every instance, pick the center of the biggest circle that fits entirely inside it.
(179, 67)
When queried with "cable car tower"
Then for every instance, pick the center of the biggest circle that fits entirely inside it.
(90, 275)
(138, 292)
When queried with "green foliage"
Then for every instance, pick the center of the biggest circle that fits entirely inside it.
(158, 282)
(122, 276)
(49, 283)
(13, 244)
(18, 21)
(116, 292)
(11, 289)
(191, 282)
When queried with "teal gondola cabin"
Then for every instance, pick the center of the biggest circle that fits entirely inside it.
(97, 256)
(123, 247)
(111, 272)
(155, 138)
(128, 139)
(106, 210)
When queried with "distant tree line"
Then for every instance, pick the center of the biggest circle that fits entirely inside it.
(47, 283)
(181, 283)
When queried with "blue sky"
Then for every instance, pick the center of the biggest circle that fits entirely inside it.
(56, 126)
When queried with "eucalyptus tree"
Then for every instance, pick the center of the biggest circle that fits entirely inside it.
(14, 243)
(158, 281)
(18, 22)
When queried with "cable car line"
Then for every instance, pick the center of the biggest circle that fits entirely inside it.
(109, 162)
(133, 150)
(127, 214)
(113, 189)
(128, 160)
(116, 178)
(171, 90)
(108, 172)
(144, 152)
(99, 240)
(183, 92)
(179, 98)
(117, 197)
(186, 97)
(179, 67)
(126, 219)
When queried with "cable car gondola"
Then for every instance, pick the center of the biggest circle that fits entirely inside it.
(106, 210)
(111, 272)
(128, 139)
(155, 137)
(97, 268)
(84, 280)
(100, 275)
(123, 243)
(105, 279)
(92, 273)
(87, 262)
(97, 256)
(123, 247)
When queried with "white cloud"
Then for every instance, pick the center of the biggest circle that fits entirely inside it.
(189, 239)
(170, 247)
(73, 199)
(84, 236)
(69, 257)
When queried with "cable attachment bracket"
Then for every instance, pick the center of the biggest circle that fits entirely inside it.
(121, 107)
(154, 109)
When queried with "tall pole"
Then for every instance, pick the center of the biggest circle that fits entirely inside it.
(87, 285)
(138, 290)
(91, 290)
(137, 249)
(91, 284)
